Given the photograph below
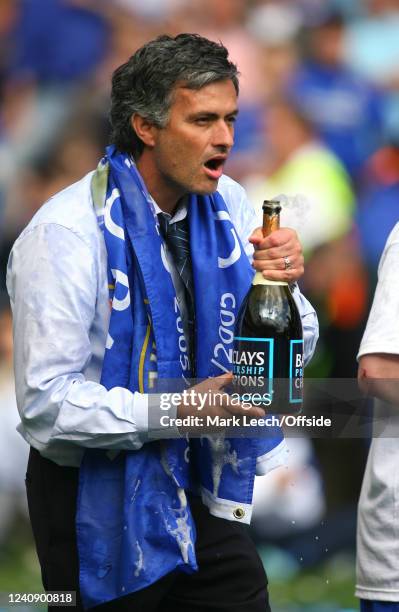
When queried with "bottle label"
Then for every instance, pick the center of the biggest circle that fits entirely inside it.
(296, 371)
(253, 364)
(270, 368)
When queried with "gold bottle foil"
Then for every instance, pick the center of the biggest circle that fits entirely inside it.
(271, 216)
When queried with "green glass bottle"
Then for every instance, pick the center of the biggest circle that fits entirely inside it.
(268, 343)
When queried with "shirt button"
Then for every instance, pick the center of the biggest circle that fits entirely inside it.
(239, 513)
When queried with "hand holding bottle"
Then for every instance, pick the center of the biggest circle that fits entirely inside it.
(279, 255)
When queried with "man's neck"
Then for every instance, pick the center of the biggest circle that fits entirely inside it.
(166, 194)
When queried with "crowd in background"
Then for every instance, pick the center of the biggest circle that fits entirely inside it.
(319, 122)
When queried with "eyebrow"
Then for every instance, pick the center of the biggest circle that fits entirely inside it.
(210, 115)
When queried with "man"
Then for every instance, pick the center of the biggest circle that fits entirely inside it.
(83, 374)
(377, 583)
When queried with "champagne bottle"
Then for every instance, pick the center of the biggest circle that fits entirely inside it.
(268, 343)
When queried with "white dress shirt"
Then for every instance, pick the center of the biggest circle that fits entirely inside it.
(58, 286)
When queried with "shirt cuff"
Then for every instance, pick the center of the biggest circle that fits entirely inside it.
(157, 420)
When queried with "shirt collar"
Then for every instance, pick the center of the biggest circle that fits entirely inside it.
(180, 214)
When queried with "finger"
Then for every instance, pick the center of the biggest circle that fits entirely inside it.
(256, 236)
(291, 248)
(277, 238)
(219, 382)
(215, 382)
(279, 264)
(289, 260)
(286, 276)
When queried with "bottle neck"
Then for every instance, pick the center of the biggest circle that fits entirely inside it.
(259, 279)
(271, 223)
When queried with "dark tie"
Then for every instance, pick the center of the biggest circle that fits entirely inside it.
(177, 238)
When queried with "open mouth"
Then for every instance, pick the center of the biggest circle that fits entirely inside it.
(214, 167)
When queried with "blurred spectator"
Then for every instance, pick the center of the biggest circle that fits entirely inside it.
(152, 10)
(275, 27)
(41, 32)
(372, 41)
(372, 50)
(345, 107)
(8, 17)
(378, 205)
(129, 30)
(289, 500)
(322, 213)
(43, 71)
(73, 154)
(291, 517)
(298, 163)
(43, 78)
(9, 14)
(225, 21)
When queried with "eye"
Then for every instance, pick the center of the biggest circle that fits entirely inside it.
(232, 119)
(202, 120)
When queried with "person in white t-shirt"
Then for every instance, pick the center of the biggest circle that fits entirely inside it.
(377, 582)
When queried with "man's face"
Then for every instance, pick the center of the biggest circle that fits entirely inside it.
(190, 152)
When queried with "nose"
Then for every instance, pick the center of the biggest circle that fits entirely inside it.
(223, 134)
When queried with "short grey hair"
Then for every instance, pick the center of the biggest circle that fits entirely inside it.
(146, 82)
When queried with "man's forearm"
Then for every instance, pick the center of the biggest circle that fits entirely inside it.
(378, 376)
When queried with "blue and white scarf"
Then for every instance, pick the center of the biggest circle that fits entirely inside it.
(134, 524)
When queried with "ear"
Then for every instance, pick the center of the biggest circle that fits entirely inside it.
(145, 130)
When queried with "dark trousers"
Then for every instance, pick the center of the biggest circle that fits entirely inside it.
(231, 577)
(378, 606)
